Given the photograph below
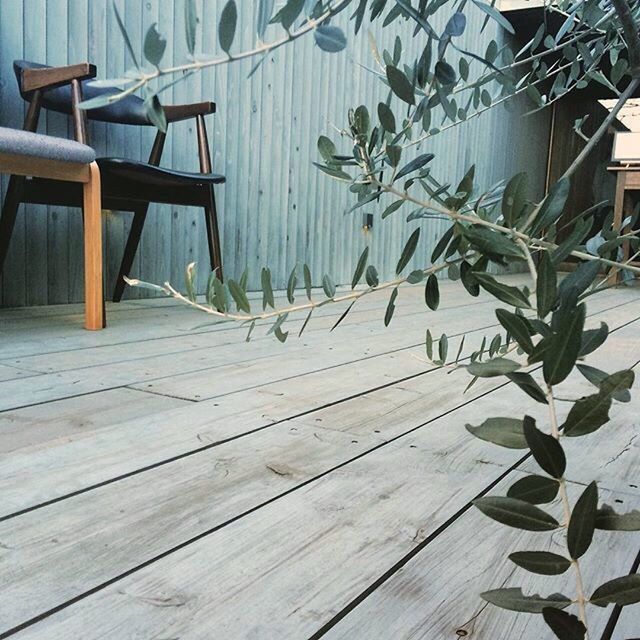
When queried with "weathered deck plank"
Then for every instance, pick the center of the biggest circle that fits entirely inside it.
(215, 361)
(436, 593)
(74, 464)
(340, 549)
(274, 504)
(66, 420)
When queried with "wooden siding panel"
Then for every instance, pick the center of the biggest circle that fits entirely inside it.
(276, 208)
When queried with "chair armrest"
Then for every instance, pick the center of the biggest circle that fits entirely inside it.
(50, 77)
(177, 112)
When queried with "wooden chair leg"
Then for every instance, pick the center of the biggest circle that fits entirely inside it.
(130, 250)
(213, 235)
(9, 214)
(618, 216)
(94, 299)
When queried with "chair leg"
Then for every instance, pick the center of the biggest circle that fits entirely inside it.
(213, 235)
(92, 209)
(9, 214)
(130, 250)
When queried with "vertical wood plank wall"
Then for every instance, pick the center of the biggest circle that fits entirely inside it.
(276, 208)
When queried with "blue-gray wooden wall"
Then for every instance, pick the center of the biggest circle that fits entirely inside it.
(276, 208)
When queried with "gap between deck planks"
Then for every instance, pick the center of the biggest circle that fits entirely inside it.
(28, 335)
(445, 447)
(365, 342)
(67, 420)
(78, 382)
(137, 445)
(135, 327)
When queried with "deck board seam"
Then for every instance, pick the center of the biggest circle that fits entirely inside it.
(364, 594)
(229, 327)
(210, 368)
(277, 497)
(235, 518)
(258, 429)
(225, 326)
(387, 575)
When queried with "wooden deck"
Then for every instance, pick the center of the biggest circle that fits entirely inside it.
(165, 480)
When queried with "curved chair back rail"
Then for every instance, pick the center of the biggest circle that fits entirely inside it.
(129, 110)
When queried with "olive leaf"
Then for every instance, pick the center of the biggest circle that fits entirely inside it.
(239, 296)
(516, 513)
(583, 522)
(505, 293)
(493, 368)
(534, 489)
(517, 327)
(328, 285)
(227, 25)
(432, 292)
(330, 38)
(564, 625)
(154, 45)
(542, 562)
(391, 307)
(505, 432)
(400, 85)
(387, 119)
(408, 251)
(527, 383)
(546, 450)
(360, 267)
(621, 591)
(514, 600)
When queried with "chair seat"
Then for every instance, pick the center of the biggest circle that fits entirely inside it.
(36, 145)
(148, 174)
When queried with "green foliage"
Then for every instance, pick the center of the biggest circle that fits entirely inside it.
(542, 562)
(516, 513)
(515, 600)
(505, 432)
(564, 625)
(542, 339)
(227, 26)
(534, 489)
(330, 38)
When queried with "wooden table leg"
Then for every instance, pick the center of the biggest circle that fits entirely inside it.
(618, 213)
(94, 300)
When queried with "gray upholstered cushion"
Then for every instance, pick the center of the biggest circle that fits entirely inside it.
(40, 146)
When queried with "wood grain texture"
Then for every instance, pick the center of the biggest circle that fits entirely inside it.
(74, 418)
(315, 549)
(276, 208)
(145, 441)
(290, 523)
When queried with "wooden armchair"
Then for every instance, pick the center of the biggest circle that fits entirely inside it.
(127, 184)
(27, 154)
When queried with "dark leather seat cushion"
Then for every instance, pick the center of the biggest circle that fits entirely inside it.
(129, 110)
(143, 173)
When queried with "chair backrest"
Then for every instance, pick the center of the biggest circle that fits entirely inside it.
(129, 110)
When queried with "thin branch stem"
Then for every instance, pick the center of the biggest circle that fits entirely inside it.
(473, 219)
(566, 507)
(630, 30)
(311, 304)
(603, 128)
(261, 49)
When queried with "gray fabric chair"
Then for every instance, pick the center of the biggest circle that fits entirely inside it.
(27, 154)
(26, 143)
